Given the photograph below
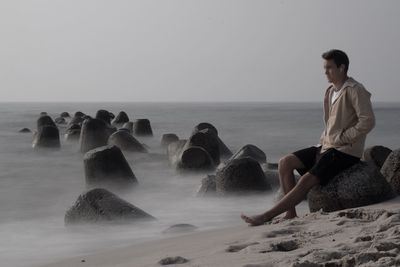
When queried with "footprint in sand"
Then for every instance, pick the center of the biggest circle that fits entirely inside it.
(387, 245)
(287, 245)
(364, 215)
(281, 232)
(389, 222)
(365, 257)
(363, 239)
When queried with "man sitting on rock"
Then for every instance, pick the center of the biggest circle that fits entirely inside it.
(348, 117)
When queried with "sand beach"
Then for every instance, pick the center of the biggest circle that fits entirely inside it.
(365, 236)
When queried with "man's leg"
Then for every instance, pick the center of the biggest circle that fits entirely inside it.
(286, 167)
(288, 202)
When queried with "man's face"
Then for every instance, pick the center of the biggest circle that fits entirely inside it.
(333, 73)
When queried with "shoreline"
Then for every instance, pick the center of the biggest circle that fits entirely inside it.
(366, 235)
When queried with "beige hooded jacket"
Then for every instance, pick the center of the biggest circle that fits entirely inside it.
(348, 119)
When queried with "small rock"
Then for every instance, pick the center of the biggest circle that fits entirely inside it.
(25, 130)
(173, 260)
(179, 228)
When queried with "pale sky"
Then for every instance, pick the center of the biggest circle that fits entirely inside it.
(214, 50)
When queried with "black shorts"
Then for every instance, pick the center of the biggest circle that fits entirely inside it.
(324, 165)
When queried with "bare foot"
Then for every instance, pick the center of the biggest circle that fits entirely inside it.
(255, 220)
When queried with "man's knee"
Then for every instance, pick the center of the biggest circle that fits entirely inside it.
(288, 162)
(309, 180)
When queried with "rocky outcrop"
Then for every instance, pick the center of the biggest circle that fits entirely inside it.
(47, 136)
(25, 130)
(250, 151)
(391, 170)
(103, 115)
(205, 125)
(224, 151)
(199, 152)
(94, 133)
(241, 176)
(207, 140)
(142, 127)
(179, 228)
(60, 120)
(107, 167)
(44, 120)
(168, 139)
(376, 155)
(121, 118)
(359, 185)
(101, 206)
(128, 126)
(194, 158)
(73, 133)
(126, 142)
(79, 114)
(77, 120)
(65, 115)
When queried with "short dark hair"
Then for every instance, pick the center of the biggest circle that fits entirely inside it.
(338, 56)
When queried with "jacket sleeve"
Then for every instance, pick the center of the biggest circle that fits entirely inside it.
(326, 114)
(366, 119)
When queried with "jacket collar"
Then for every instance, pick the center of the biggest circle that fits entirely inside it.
(350, 82)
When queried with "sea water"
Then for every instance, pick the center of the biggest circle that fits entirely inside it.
(37, 187)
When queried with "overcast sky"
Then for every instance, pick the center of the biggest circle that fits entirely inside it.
(170, 50)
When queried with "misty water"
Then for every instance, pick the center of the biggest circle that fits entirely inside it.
(37, 187)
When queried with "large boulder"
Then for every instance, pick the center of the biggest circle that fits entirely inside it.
(142, 127)
(242, 175)
(25, 130)
(107, 167)
(195, 153)
(47, 136)
(207, 140)
(60, 120)
(45, 120)
(65, 115)
(128, 126)
(79, 114)
(77, 120)
(194, 158)
(101, 206)
(125, 141)
(224, 151)
(103, 115)
(168, 139)
(121, 118)
(376, 155)
(359, 185)
(391, 170)
(205, 125)
(94, 133)
(250, 151)
(73, 133)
